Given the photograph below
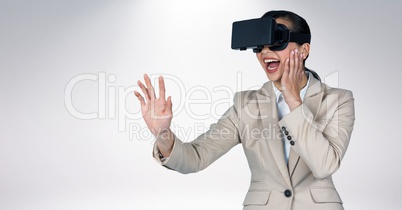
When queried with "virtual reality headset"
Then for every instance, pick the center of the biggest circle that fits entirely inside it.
(257, 33)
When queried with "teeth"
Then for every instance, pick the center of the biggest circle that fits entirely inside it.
(270, 60)
(269, 68)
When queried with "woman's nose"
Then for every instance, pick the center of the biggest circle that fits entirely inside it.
(265, 50)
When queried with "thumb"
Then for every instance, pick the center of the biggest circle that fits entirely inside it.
(169, 104)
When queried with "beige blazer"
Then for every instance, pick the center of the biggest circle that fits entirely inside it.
(319, 131)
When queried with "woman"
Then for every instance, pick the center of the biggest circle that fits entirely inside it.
(294, 130)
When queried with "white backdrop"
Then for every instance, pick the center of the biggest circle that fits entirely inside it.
(62, 61)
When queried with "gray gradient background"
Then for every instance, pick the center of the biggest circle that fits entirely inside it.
(51, 160)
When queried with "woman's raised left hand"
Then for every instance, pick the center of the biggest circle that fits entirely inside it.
(292, 79)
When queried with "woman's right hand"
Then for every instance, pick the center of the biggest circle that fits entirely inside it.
(157, 112)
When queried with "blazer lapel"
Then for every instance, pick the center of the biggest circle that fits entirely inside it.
(293, 161)
(269, 118)
(312, 100)
(313, 97)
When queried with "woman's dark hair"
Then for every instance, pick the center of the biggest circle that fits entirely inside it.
(298, 25)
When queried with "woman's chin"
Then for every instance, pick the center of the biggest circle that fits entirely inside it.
(273, 75)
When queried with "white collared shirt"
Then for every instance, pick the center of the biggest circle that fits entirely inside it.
(283, 110)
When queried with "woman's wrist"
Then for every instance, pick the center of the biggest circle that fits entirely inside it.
(165, 141)
(294, 104)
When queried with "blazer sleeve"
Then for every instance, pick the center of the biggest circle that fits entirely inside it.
(321, 141)
(190, 157)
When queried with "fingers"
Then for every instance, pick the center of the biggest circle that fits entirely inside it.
(296, 69)
(169, 105)
(296, 58)
(150, 88)
(149, 91)
(297, 62)
(144, 90)
(293, 71)
(292, 63)
(300, 64)
(285, 75)
(140, 98)
(161, 88)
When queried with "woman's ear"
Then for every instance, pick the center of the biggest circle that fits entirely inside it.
(305, 49)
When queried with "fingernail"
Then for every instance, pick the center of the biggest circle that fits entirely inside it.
(293, 52)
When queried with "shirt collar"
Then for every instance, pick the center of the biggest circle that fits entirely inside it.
(302, 91)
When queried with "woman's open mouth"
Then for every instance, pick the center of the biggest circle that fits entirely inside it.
(272, 64)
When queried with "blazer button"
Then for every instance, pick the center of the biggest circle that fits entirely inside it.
(288, 193)
(289, 138)
(286, 133)
(283, 128)
(292, 143)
